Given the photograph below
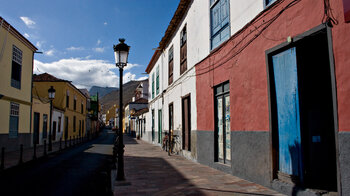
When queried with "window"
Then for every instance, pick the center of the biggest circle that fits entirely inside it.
(75, 103)
(171, 64)
(44, 125)
(220, 22)
(183, 50)
(74, 123)
(67, 99)
(157, 81)
(82, 107)
(16, 67)
(268, 2)
(222, 123)
(152, 85)
(14, 120)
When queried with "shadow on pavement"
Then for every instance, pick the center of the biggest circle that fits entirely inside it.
(154, 176)
(82, 170)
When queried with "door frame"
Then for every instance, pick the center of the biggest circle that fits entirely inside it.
(160, 125)
(188, 96)
(272, 102)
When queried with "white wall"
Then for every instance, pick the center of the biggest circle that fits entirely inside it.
(242, 12)
(197, 21)
(55, 115)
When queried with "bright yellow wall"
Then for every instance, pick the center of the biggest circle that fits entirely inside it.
(24, 117)
(42, 108)
(41, 88)
(21, 96)
(6, 66)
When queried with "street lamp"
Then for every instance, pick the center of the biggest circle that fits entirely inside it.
(121, 52)
(52, 92)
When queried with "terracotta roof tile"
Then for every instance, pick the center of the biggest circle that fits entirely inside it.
(45, 77)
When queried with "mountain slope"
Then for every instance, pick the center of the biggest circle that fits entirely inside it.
(102, 91)
(113, 97)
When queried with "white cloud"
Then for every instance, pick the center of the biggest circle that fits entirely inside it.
(26, 35)
(105, 23)
(98, 42)
(72, 48)
(50, 52)
(142, 78)
(130, 66)
(29, 22)
(128, 77)
(100, 50)
(39, 44)
(83, 72)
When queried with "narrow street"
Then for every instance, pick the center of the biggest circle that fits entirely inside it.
(150, 171)
(83, 170)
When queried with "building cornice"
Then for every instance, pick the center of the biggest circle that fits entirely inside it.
(172, 27)
(16, 34)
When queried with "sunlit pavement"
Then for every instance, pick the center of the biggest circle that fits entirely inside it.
(150, 171)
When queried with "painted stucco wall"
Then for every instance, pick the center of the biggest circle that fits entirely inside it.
(41, 106)
(62, 88)
(10, 94)
(24, 93)
(55, 115)
(242, 62)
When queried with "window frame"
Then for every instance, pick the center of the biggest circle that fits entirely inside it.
(171, 65)
(45, 125)
(212, 5)
(183, 49)
(157, 80)
(67, 99)
(17, 59)
(268, 4)
(14, 114)
(153, 88)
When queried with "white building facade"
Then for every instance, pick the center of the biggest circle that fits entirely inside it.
(57, 124)
(196, 29)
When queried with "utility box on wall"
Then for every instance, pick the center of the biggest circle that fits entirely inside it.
(346, 4)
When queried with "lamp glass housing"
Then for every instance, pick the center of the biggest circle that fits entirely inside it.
(52, 92)
(121, 53)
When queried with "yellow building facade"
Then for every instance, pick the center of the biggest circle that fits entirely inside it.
(40, 119)
(16, 69)
(68, 99)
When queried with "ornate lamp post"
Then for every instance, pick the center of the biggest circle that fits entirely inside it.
(52, 92)
(121, 52)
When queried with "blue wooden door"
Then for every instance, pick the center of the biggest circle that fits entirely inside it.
(288, 115)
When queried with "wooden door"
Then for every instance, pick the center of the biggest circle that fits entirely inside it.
(186, 122)
(36, 128)
(288, 114)
(54, 125)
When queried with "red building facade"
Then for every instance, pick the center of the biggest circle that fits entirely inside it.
(243, 97)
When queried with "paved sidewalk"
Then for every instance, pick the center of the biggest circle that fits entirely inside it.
(12, 159)
(150, 171)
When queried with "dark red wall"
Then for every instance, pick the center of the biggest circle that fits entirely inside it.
(246, 70)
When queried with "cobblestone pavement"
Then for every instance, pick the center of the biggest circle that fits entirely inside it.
(150, 171)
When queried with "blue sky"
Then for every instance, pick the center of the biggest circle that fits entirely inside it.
(77, 36)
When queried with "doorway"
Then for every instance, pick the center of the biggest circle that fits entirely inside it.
(152, 125)
(66, 128)
(36, 128)
(302, 112)
(186, 123)
(54, 125)
(222, 123)
(159, 126)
